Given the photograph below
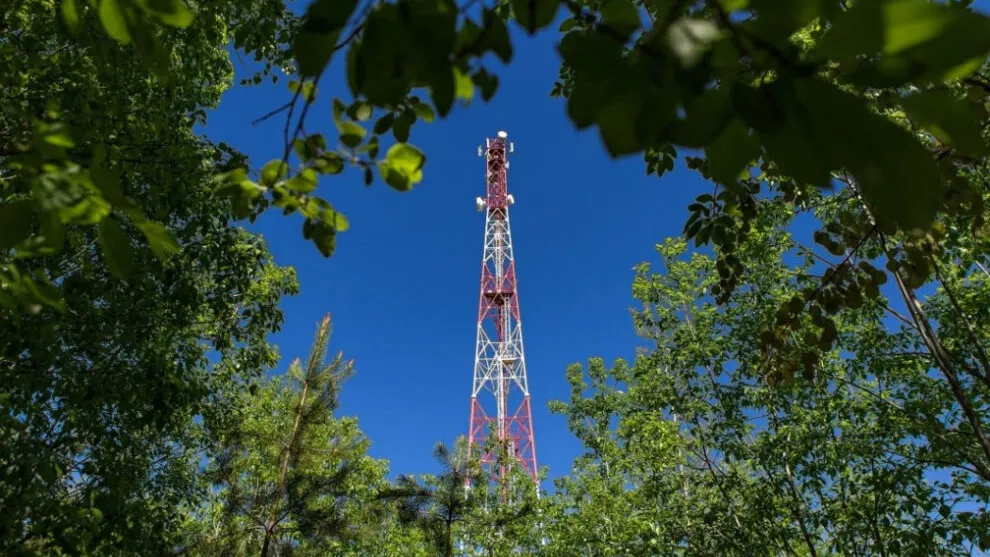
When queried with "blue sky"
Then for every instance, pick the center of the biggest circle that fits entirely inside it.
(403, 284)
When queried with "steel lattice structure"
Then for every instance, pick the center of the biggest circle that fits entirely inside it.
(500, 394)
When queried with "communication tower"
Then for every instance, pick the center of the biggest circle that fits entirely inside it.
(500, 393)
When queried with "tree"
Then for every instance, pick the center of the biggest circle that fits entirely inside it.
(290, 475)
(94, 128)
(706, 446)
(508, 518)
(106, 383)
(437, 504)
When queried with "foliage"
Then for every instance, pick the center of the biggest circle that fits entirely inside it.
(804, 90)
(90, 140)
(437, 503)
(290, 475)
(796, 408)
(468, 509)
(104, 382)
(692, 451)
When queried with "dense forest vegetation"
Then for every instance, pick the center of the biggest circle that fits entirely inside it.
(797, 396)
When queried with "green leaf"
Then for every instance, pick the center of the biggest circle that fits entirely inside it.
(424, 112)
(690, 38)
(114, 21)
(630, 115)
(442, 92)
(883, 26)
(330, 163)
(314, 45)
(398, 50)
(593, 56)
(775, 114)
(405, 158)
(160, 239)
(733, 5)
(70, 14)
(384, 124)
(273, 171)
(44, 292)
(706, 117)
(585, 102)
(400, 129)
(463, 86)
(335, 219)
(488, 83)
(894, 172)
(534, 15)
(303, 182)
(779, 20)
(918, 40)
(569, 24)
(496, 35)
(731, 152)
(617, 125)
(322, 234)
(306, 89)
(402, 167)
(116, 247)
(151, 49)
(313, 51)
(949, 119)
(360, 111)
(621, 16)
(52, 232)
(172, 12)
(15, 223)
(109, 184)
(351, 133)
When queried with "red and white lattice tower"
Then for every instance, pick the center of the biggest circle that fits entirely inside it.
(500, 395)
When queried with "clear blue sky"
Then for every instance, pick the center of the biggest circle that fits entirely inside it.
(403, 284)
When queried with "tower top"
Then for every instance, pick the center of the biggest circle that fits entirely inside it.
(502, 134)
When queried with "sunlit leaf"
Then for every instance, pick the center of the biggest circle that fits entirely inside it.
(70, 14)
(273, 171)
(114, 21)
(172, 12)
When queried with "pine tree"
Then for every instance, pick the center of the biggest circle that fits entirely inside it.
(293, 477)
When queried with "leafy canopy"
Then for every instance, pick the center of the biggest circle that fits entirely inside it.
(804, 89)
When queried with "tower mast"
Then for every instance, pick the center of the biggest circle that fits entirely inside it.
(500, 394)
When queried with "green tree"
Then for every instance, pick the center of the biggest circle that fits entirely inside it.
(291, 475)
(437, 504)
(470, 510)
(104, 383)
(94, 130)
(706, 446)
(509, 516)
